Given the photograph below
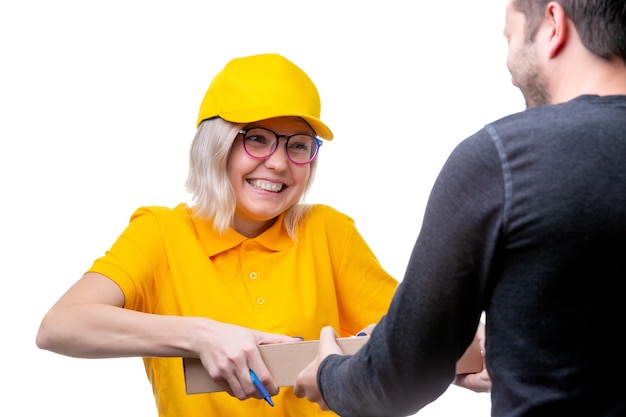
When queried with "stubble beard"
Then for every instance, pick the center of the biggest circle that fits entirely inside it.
(527, 76)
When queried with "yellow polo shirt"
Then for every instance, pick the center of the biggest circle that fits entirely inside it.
(169, 262)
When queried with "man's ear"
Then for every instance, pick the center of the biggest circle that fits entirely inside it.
(558, 28)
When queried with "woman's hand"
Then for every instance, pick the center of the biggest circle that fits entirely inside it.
(228, 353)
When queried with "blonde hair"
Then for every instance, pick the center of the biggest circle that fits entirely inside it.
(208, 180)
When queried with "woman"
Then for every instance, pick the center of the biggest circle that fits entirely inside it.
(246, 264)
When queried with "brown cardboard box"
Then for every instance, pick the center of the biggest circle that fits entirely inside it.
(286, 360)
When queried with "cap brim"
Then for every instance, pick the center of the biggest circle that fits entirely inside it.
(318, 126)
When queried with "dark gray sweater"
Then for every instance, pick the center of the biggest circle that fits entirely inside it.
(527, 222)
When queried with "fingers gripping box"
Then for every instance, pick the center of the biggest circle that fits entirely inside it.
(286, 360)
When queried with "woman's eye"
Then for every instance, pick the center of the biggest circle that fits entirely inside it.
(256, 139)
(299, 145)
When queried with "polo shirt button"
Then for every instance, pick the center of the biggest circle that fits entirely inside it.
(253, 275)
(249, 248)
(260, 300)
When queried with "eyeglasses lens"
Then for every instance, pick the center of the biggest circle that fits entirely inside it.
(261, 143)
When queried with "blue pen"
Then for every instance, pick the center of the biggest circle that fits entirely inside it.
(259, 386)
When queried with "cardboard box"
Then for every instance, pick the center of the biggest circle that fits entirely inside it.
(286, 360)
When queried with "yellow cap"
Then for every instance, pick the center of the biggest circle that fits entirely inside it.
(261, 87)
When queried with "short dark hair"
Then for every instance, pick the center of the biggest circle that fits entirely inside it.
(601, 24)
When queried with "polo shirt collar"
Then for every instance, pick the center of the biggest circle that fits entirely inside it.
(275, 238)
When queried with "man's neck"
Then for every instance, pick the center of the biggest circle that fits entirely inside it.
(597, 77)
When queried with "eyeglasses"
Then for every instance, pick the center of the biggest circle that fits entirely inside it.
(261, 143)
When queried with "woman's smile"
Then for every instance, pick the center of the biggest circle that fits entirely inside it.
(266, 185)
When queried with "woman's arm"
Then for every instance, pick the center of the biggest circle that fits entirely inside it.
(89, 321)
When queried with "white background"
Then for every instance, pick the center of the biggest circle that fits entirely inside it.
(98, 103)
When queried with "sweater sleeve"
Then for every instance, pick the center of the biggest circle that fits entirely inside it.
(411, 356)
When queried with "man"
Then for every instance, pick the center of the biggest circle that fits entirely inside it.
(526, 222)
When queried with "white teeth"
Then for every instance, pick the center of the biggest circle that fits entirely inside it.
(266, 185)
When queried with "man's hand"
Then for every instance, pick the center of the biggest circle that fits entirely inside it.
(479, 381)
(306, 382)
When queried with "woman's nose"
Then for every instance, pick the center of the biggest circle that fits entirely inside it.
(278, 160)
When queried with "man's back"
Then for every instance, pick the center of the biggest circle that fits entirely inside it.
(527, 221)
(555, 316)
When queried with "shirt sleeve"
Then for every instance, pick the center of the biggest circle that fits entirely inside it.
(364, 288)
(135, 261)
(357, 290)
(411, 356)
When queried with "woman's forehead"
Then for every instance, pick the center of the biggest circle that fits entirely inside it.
(285, 122)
